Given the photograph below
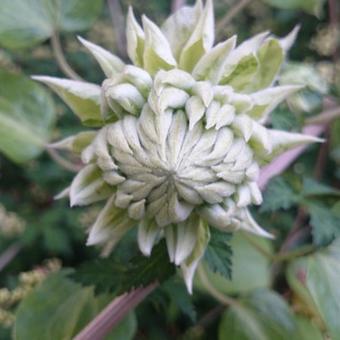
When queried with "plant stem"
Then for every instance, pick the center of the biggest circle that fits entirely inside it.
(236, 9)
(290, 255)
(258, 247)
(325, 117)
(112, 314)
(9, 254)
(223, 299)
(118, 22)
(60, 58)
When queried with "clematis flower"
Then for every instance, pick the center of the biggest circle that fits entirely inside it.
(181, 135)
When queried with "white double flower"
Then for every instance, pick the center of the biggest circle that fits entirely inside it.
(181, 136)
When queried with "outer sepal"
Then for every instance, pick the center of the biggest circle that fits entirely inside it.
(109, 63)
(189, 266)
(83, 98)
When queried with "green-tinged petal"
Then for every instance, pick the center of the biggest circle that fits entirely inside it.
(123, 97)
(179, 27)
(83, 98)
(135, 39)
(139, 78)
(88, 187)
(248, 47)
(76, 143)
(111, 225)
(265, 101)
(109, 63)
(189, 266)
(181, 239)
(270, 57)
(283, 141)
(288, 41)
(148, 232)
(243, 74)
(201, 40)
(211, 65)
(157, 52)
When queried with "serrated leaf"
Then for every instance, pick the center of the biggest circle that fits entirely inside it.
(27, 115)
(27, 23)
(312, 187)
(179, 295)
(219, 253)
(319, 275)
(325, 224)
(263, 315)
(114, 275)
(53, 310)
(278, 195)
(250, 268)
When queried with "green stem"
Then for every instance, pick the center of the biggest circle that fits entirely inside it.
(223, 299)
(236, 9)
(290, 255)
(258, 247)
(60, 58)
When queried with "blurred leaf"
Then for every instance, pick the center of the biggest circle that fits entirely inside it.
(218, 253)
(307, 330)
(263, 315)
(284, 119)
(250, 268)
(319, 277)
(60, 308)
(178, 294)
(53, 310)
(27, 115)
(278, 195)
(27, 23)
(313, 188)
(325, 224)
(125, 330)
(112, 274)
(309, 6)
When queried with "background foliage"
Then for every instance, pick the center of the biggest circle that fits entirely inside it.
(284, 289)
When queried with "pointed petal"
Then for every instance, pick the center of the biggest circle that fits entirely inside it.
(148, 232)
(189, 266)
(76, 143)
(179, 27)
(88, 187)
(111, 225)
(200, 41)
(109, 63)
(211, 65)
(157, 52)
(83, 98)
(288, 41)
(135, 39)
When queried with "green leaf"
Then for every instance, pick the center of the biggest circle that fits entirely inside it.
(309, 6)
(307, 330)
(218, 253)
(284, 119)
(250, 268)
(313, 188)
(27, 23)
(318, 277)
(125, 330)
(114, 275)
(53, 310)
(325, 224)
(263, 315)
(27, 115)
(179, 295)
(278, 195)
